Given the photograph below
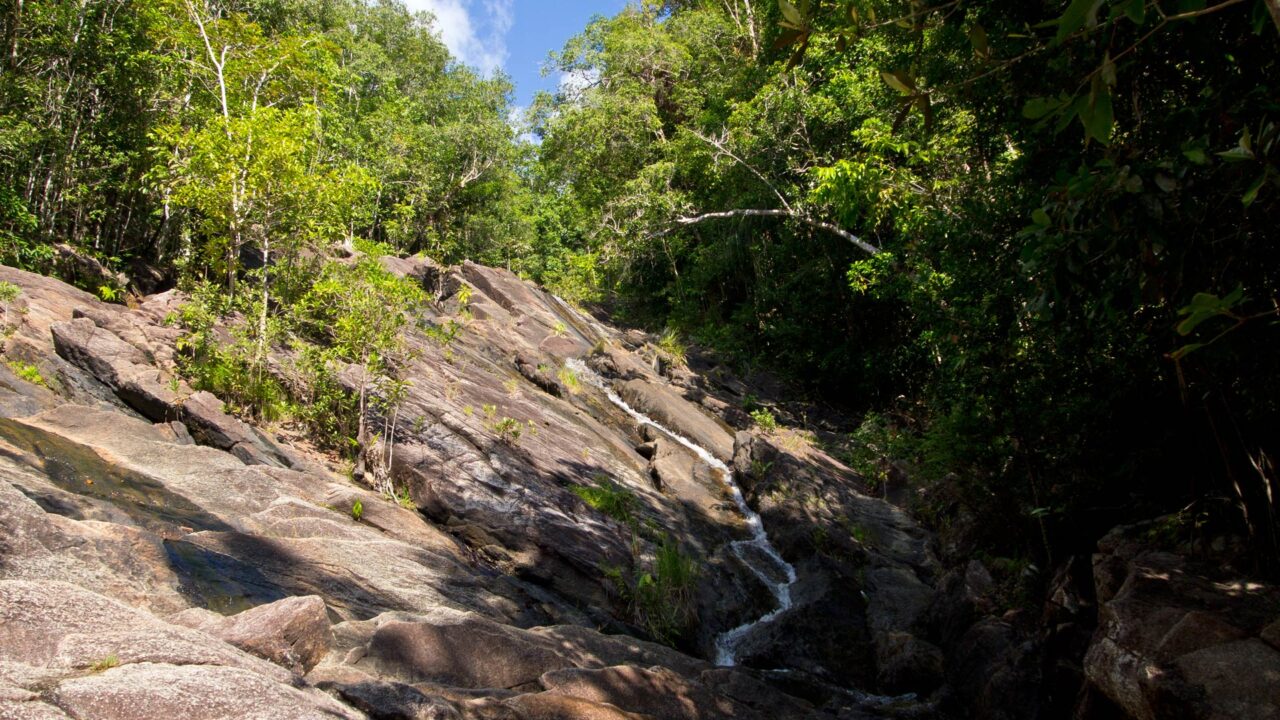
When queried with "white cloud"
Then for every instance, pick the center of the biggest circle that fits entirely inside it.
(572, 84)
(518, 120)
(475, 31)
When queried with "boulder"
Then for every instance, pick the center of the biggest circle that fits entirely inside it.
(460, 651)
(293, 633)
(1181, 637)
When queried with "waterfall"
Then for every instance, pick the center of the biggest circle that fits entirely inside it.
(727, 642)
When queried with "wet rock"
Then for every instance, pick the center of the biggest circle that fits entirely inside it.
(683, 417)
(540, 375)
(756, 695)
(905, 663)
(551, 706)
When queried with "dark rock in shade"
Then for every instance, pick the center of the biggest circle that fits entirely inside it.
(655, 691)
(1177, 638)
(540, 375)
(996, 671)
(468, 653)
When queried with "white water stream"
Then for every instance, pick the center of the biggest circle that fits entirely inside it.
(727, 642)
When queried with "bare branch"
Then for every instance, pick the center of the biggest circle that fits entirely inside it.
(719, 145)
(798, 217)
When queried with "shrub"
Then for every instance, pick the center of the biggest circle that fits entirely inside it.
(357, 510)
(764, 420)
(9, 292)
(228, 370)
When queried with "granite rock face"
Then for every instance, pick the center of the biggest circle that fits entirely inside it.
(164, 558)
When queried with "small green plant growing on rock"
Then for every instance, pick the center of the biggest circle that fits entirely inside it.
(508, 430)
(404, 500)
(661, 599)
(673, 347)
(27, 372)
(9, 292)
(609, 498)
(764, 420)
(357, 510)
(570, 380)
(560, 329)
(104, 664)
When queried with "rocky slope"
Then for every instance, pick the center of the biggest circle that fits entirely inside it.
(161, 558)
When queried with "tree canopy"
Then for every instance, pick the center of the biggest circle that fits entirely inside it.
(1034, 243)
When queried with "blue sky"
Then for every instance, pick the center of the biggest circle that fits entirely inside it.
(514, 35)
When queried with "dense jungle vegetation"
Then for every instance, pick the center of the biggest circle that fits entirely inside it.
(1036, 243)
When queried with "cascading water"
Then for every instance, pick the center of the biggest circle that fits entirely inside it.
(727, 642)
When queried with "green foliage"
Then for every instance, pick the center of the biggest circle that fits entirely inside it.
(222, 360)
(609, 498)
(1073, 202)
(9, 292)
(357, 510)
(28, 372)
(404, 500)
(764, 419)
(507, 429)
(182, 133)
(570, 380)
(673, 347)
(104, 664)
(660, 598)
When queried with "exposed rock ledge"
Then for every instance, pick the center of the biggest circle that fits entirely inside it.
(161, 558)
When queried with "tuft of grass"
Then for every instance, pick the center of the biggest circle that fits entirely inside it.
(404, 500)
(673, 346)
(104, 664)
(357, 510)
(570, 380)
(9, 292)
(661, 598)
(609, 498)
